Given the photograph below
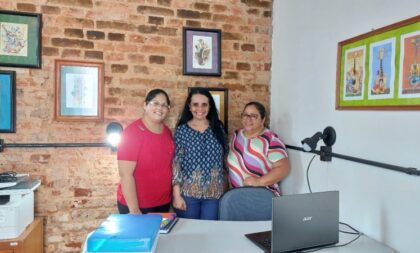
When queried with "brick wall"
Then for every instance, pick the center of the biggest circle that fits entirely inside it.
(140, 43)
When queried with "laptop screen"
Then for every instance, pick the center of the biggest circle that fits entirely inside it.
(301, 221)
(304, 221)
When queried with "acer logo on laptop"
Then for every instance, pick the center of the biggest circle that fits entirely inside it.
(309, 218)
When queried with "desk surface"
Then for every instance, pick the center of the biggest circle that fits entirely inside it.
(191, 236)
(228, 236)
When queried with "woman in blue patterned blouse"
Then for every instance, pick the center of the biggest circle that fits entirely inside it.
(200, 149)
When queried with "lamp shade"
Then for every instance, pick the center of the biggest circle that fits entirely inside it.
(310, 143)
(113, 132)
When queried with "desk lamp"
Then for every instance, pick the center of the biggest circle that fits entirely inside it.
(328, 136)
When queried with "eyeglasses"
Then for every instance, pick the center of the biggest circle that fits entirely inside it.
(157, 105)
(249, 116)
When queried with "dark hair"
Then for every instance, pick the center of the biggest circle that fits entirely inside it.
(213, 117)
(259, 106)
(153, 93)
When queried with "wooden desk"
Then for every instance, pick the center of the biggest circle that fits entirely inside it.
(30, 241)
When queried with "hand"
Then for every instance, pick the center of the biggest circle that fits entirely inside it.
(135, 211)
(179, 203)
(251, 181)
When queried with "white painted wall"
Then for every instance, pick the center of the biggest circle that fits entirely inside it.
(383, 204)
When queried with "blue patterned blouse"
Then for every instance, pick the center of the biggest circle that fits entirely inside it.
(198, 163)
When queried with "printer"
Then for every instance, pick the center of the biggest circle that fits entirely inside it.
(17, 207)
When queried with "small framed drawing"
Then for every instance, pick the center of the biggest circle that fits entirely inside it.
(7, 101)
(220, 97)
(202, 51)
(20, 39)
(78, 91)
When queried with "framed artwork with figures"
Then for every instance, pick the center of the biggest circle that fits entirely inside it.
(380, 70)
(20, 39)
(201, 51)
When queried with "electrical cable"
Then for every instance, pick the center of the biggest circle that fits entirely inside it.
(355, 231)
(307, 174)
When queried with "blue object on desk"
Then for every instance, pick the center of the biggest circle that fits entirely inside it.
(125, 233)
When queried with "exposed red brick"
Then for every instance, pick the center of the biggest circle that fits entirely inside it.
(116, 36)
(158, 59)
(154, 10)
(193, 23)
(231, 36)
(70, 53)
(46, 9)
(243, 66)
(26, 7)
(115, 111)
(167, 31)
(267, 66)
(230, 75)
(95, 35)
(193, 14)
(253, 11)
(112, 101)
(248, 47)
(219, 8)
(118, 68)
(164, 2)
(82, 192)
(267, 14)
(94, 55)
(49, 51)
(60, 42)
(202, 6)
(71, 32)
(141, 69)
(115, 25)
(257, 3)
(147, 29)
(155, 20)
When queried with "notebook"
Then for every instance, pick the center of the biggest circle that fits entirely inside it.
(301, 221)
(168, 222)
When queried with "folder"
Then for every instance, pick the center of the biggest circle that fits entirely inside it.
(126, 233)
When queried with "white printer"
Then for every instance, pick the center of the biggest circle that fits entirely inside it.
(17, 208)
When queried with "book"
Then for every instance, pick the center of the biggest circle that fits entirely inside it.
(126, 233)
(168, 222)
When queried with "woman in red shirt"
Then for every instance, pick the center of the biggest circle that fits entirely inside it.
(145, 159)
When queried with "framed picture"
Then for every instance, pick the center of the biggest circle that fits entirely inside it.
(7, 101)
(380, 70)
(202, 51)
(220, 96)
(20, 39)
(78, 91)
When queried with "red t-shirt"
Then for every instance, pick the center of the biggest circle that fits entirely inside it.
(153, 156)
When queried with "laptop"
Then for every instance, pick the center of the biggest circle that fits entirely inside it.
(299, 222)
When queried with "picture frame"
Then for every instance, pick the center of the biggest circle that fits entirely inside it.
(202, 52)
(20, 39)
(220, 97)
(380, 70)
(7, 101)
(78, 91)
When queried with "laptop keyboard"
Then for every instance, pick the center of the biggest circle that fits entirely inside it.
(266, 244)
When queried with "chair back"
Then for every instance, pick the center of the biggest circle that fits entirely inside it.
(246, 204)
